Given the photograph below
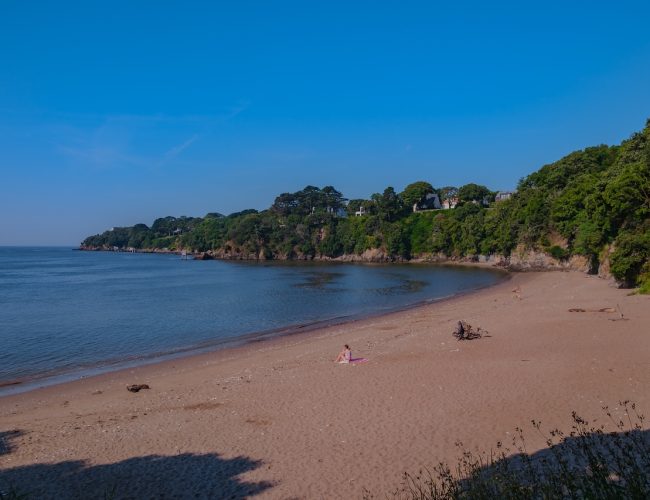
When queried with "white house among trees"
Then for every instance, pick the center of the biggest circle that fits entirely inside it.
(430, 202)
(503, 195)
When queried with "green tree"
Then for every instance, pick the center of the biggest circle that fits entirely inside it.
(631, 255)
(356, 204)
(447, 192)
(389, 204)
(286, 203)
(628, 194)
(415, 192)
(473, 192)
(333, 198)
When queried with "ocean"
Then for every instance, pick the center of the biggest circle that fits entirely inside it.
(65, 314)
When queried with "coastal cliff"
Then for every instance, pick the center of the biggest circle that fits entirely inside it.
(589, 211)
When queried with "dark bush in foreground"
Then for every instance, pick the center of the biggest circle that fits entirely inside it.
(587, 463)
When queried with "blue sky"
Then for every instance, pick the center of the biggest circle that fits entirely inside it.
(114, 113)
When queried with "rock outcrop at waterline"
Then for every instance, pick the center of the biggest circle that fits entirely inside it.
(521, 261)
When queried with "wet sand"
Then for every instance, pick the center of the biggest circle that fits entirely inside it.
(278, 419)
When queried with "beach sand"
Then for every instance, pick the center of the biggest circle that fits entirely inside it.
(278, 419)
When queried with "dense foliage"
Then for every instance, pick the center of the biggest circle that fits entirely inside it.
(594, 203)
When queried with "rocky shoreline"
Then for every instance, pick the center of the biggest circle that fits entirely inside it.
(519, 261)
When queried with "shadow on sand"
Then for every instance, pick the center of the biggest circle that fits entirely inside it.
(588, 462)
(6, 441)
(181, 476)
(608, 465)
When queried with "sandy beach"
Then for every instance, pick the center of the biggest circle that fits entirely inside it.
(279, 419)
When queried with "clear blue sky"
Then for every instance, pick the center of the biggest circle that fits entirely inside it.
(113, 113)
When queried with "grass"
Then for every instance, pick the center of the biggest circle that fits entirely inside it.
(644, 286)
(586, 463)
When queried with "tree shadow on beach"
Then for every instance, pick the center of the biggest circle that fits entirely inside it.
(181, 476)
(613, 465)
(7, 441)
(587, 462)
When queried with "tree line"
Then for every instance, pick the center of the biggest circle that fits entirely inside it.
(594, 203)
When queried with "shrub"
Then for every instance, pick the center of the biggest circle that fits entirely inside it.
(630, 256)
(586, 463)
(558, 252)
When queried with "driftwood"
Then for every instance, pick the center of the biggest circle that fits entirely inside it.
(603, 310)
(136, 387)
(465, 331)
(621, 317)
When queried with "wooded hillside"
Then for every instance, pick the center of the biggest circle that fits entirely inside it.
(594, 203)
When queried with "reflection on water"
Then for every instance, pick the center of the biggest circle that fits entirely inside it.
(63, 309)
(405, 286)
(320, 279)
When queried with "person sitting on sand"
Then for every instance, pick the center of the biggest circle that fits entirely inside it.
(345, 355)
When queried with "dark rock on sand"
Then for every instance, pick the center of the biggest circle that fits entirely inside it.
(137, 387)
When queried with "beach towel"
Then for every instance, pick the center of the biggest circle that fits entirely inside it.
(359, 360)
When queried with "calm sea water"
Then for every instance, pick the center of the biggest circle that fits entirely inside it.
(68, 312)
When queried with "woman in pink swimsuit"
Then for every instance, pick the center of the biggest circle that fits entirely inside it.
(345, 355)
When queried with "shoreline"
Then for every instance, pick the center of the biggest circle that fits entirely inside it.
(278, 419)
(21, 386)
(528, 260)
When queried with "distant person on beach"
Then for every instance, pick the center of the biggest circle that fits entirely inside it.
(345, 355)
